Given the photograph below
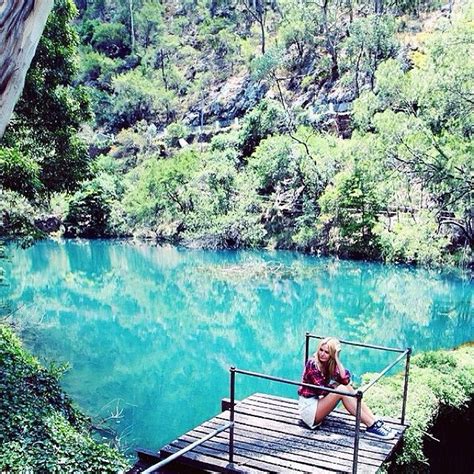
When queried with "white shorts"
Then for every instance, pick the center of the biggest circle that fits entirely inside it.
(307, 408)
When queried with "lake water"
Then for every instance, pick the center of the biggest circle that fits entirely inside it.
(150, 332)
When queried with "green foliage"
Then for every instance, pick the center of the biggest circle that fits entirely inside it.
(350, 205)
(370, 41)
(438, 381)
(174, 132)
(423, 117)
(266, 119)
(50, 111)
(111, 39)
(90, 208)
(412, 239)
(266, 65)
(140, 97)
(149, 23)
(158, 189)
(19, 173)
(97, 69)
(17, 218)
(40, 429)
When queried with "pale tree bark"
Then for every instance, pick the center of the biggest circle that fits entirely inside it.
(21, 26)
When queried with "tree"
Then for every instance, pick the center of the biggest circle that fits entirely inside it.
(22, 26)
(257, 10)
(371, 40)
(149, 23)
(50, 110)
(424, 119)
(351, 205)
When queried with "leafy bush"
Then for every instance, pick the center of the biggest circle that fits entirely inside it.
(17, 216)
(370, 41)
(412, 239)
(40, 429)
(174, 132)
(111, 39)
(97, 69)
(438, 381)
(349, 207)
(140, 97)
(90, 208)
(267, 118)
(19, 173)
(158, 190)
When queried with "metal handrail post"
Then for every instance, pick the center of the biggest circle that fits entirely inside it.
(357, 431)
(405, 387)
(306, 351)
(232, 414)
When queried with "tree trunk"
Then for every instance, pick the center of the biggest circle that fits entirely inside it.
(262, 33)
(378, 7)
(21, 27)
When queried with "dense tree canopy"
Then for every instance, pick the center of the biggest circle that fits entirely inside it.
(341, 127)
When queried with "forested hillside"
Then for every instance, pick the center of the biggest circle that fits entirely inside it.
(334, 126)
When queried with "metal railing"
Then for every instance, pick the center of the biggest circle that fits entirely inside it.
(179, 453)
(358, 395)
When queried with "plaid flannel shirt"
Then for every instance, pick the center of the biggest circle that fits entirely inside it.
(314, 376)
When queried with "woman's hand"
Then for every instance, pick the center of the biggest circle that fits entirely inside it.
(338, 351)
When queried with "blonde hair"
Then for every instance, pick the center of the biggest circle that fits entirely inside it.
(333, 345)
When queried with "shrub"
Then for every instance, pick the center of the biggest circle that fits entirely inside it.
(90, 208)
(174, 132)
(267, 118)
(412, 240)
(111, 39)
(19, 172)
(40, 429)
(438, 381)
(98, 69)
(17, 218)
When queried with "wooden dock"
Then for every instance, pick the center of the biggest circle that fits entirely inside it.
(269, 437)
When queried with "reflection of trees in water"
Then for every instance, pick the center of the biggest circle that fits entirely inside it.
(159, 327)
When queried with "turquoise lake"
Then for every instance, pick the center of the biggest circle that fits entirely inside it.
(150, 332)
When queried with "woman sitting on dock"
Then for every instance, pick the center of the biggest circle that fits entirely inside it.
(326, 370)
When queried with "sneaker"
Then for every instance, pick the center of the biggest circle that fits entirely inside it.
(379, 431)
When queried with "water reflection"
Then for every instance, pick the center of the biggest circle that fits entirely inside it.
(154, 329)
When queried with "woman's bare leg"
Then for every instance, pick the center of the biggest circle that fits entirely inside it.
(327, 404)
(366, 412)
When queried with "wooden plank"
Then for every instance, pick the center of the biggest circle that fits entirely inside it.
(243, 459)
(269, 437)
(294, 442)
(339, 429)
(203, 458)
(260, 451)
(332, 422)
(295, 452)
(257, 446)
(315, 435)
(338, 449)
(347, 421)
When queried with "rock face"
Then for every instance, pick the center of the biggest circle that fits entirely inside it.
(233, 100)
(21, 26)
